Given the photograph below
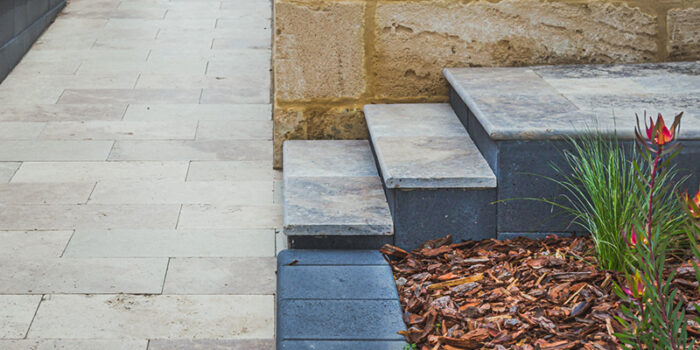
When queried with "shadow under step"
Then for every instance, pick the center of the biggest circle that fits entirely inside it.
(333, 197)
(436, 180)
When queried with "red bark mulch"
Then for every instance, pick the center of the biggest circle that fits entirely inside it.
(513, 294)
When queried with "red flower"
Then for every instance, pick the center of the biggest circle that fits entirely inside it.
(663, 135)
(636, 286)
(658, 133)
(693, 204)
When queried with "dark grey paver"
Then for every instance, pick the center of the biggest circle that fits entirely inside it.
(330, 257)
(336, 282)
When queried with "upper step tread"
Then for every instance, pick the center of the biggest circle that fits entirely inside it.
(332, 188)
(425, 146)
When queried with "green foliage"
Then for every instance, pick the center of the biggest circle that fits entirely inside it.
(413, 346)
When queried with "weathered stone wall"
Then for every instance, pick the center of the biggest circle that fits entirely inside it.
(334, 56)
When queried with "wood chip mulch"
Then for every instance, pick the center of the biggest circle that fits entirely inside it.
(514, 294)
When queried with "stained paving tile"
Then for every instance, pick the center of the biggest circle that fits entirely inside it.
(17, 314)
(231, 217)
(232, 171)
(66, 276)
(191, 150)
(119, 130)
(225, 112)
(140, 243)
(34, 244)
(160, 316)
(100, 171)
(57, 193)
(322, 158)
(234, 130)
(51, 112)
(164, 192)
(121, 96)
(211, 344)
(72, 344)
(220, 276)
(20, 130)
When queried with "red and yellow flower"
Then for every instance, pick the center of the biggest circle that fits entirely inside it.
(693, 204)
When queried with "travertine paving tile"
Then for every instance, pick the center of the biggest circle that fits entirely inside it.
(190, 67)
(127, 23)
(232, 217)
(163, 192)
(46, 67)
(227, 112)
(68, 217)
(171, 243)
(51, 112)
(134, 44)
(65, 276)
(71, 344)
(191, 150)
(121, 96)
(163, 81)
(7, 170)
(85, 54)
(238, 94)
(54, 193)
(59, 83)
(220, 276)
(120, 130)
(234, 130)
(100, 171)
(54, 150)
(17, 313)
(34, 244)
(33, 95)
(231, 171)
(166, 316)
(211, 344)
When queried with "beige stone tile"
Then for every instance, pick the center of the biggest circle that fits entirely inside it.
(191, 150)
(240, 94)
(100, 171)
(107, 13)
(260, 54)
(193, 24)
(120, 130)
(71, 344)
(34, 244)
(211, 344)
(62, 82)
(180, 67)
(38, 193)
(17, 314)
(241, 43)
(68, 217)
(85, 54)
(281, 242)
(165, 192)
(133, 44)
(122, 96)
(32, 95)
(46, 68)
(234, 130)
(221, 276)
(93, 276)
(20, 130)
(46, 150)
(111, 33)
(7, 170)
(164, 81)
(160, 316)
(232, 217)
(199, 112)
(171, 243)
(232, 171)
(53, 112)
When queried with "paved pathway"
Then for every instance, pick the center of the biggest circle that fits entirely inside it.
(138, 207)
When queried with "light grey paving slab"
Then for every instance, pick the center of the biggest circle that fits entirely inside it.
(37, 193)
(328, 158)
(179, 67)
(240, 66)
(141, 243)
(164, 192)
(203, 276)
(191, 150)
(211, 344)
(71, 344)
(37, 94)
(50, 150)
(413, 119)
(154, 317)
(20, 130)
(230, 217)
(239, 94)
(225, 112)
(68, 217)
(7, 170)
(17, 314)
(126, 96)
(100, 171)
(348, 206)
(93, 276)
(234, 130)
(46, 67)
(34, 244)
(552, 102)
(126, 23)
(61, 82)
(120, 130)
(232, 171)
(163, 81)
(433, 162)
(52, 112)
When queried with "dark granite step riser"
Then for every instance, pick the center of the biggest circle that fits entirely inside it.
(338, 242)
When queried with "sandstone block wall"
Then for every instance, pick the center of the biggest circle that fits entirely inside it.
(331, 57)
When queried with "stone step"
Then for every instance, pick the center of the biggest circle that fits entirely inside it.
(429, 165)
(340, 299)
(333, 196)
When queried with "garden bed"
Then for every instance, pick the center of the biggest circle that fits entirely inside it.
(516, 294)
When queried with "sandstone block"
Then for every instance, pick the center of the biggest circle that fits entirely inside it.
(684, 33)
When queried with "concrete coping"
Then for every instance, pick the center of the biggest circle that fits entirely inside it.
(555, 102)
(425, 146)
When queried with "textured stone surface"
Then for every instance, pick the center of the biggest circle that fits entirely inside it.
(65, 217)
(220, 276)
(100, 171)
(431, 150)
(18, 312)
(684, 33)
(332, 257)
(8, 170)
(211, 344)
(341, 345)
(322, 158)
(191, 150)
(70, 344)
(319, 50)
(165, 192)
(415, 40)
(340, 282)
(34, 244)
